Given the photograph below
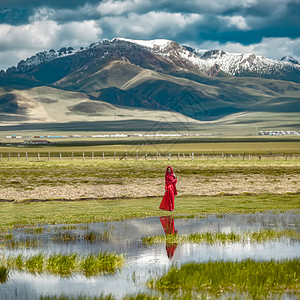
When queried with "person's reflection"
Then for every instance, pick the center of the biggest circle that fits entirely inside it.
(168, 225)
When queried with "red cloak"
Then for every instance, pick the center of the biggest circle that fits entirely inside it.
(167, 203)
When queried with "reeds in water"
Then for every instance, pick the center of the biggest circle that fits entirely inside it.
(221, 237)
(34, 230)
(66, 264)
(257, 279)
(89, 236)
(20, 243)
(80, 297)
(3, 274)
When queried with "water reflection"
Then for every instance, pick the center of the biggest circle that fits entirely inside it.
(143, 262)
(168, 225)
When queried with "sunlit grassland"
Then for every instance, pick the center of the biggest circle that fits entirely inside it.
(22, 174)
(72, 212)
(66, 264)
(211, 146)
(257, 279)
(222, 237)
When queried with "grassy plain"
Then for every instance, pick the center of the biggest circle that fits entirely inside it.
(22, 173)
(71, 212)
(42, 192)
(120, 189)
(165, 145)
(89, 176)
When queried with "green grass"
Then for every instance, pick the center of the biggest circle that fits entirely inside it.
(89, 236)
(3, 274)
(257, 145)
(21, 243)
(74, 212)
(65, 265)
(221, 237)
(258, 279)
(82, 297)
(34, 230)
(28, 175)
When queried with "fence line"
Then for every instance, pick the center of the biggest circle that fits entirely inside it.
(52, 156)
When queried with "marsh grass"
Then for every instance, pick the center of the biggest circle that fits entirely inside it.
(256, 278)
(3, 274)
(34, 230)
(66, 264)
(8, 240)
(79, 297)
(221, 237)
(89, 236)
(20, 243)
(142, 296)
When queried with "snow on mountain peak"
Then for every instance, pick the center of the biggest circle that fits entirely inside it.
(290, 59)
(42, 57)
(183, 56)
(237, 63)
(153, 44)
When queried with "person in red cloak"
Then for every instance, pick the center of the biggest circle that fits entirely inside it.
(168, 225)
(167, 203)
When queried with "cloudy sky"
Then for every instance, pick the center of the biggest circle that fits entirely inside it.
(266, 27)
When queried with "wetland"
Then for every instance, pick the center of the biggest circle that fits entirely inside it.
(93, 230)
(65, 261)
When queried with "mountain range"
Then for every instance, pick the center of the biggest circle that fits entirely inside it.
(147, 80)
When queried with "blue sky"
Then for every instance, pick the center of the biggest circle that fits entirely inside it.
(265, 27)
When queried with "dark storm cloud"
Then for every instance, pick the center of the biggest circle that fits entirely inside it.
(217, 23)
(277, 18)
(29, 4)
(15, 16)
(17, 12)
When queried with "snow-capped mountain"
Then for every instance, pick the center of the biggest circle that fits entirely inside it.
(155, 74)
(230, 63)
(41, 57)
(210, 62)
(241, 63)
(290, 59)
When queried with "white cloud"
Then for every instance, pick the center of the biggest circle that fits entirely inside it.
(278, 47)
(79, 33)
(30, 36)
(221, 5)
(42, 14)
(151, 25)
(119, 7)
(111, 7)
(238, 22)
(43, 35)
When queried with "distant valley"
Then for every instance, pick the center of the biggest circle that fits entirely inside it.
(152, 81)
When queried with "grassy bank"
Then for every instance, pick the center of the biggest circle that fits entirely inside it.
(256, 279)
(68, 212)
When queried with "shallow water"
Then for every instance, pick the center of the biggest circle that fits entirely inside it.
(144, 261)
